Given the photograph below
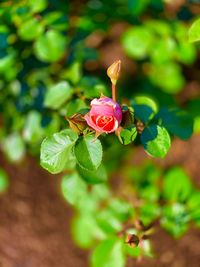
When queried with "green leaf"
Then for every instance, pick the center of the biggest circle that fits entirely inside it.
(176, 185)
(133, 251)
(128, 135)
(194, 201)
(56, 20)
(73, 188)
(137, 6)
(193, 205)
(165, 50)
(56, 150)
(76, 193)
(193, 110)
(101, 192)
(30, 29)
(197, 125)
(177, 121)
(145, 100)
(145, 174)
(194, 31)
(159, 27)
(88, 152)
(109, 253)
(156, 141)
(150, 193)
(93, 177)
(54, 123)
(167, 76)
(14, 147)
(143, 112)
(6, 63)
(109, 221)
(37, 6)
(4, 182)
(50, 47)
(186, 52)
(33, 131)
(85, 230)
(137, 42)
(57, 95)
(149, 212)
(144, 108)
(121, 209)
(175, 219)
(73, 73)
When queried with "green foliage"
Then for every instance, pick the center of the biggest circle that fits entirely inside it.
(177, 185)
(13, 147)
(176, 121)
(175, 219)
(30, 29)
(57, 95)
(88, 152)
(167, 76)
(47, 50)
(73, 189)
(33, 131)
(147, 101)
(85, 229)
(93, 177)
(137, 42)
(108, 253)
(194, 113)
(142, 112)
(156, 141)
(128, 135)
(160, 44)
(37, 6)
(179, 201)
(56, 150)
(47, 64)
(194, 208)
(194, 31)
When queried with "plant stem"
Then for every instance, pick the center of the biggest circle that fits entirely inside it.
(113, 92)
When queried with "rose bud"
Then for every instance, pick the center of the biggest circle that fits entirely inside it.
(104, 116)
(132, 240)
(113, 71)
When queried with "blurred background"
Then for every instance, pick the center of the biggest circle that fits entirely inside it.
(44, 42)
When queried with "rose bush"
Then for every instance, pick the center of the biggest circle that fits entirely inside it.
(48, 75)
(104, 116)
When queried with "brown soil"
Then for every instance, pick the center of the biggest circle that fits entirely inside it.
(183, 252)
(35, 220)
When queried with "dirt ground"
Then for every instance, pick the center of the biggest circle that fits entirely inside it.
(34, 219)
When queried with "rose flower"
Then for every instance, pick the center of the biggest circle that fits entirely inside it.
(104, 116)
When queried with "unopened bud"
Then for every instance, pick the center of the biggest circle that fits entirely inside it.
(113, 71)
(132, 240)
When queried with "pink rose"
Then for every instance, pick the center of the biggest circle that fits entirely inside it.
(105, 115)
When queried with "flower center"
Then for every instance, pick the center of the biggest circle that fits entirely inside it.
(103, 120)
(106, 123)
